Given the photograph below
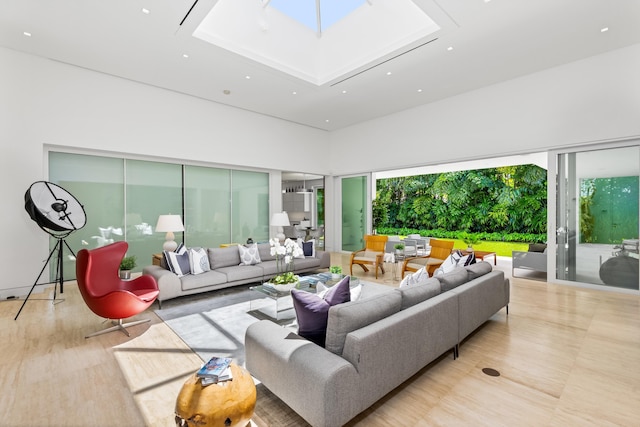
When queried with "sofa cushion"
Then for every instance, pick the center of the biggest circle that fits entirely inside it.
(479, 269)
(453, 279)
(242, 272)
(224, 257)
(249, 254)
(209, 278)
(348, 317)
(412, 295)
(264, 250)
(312, 310)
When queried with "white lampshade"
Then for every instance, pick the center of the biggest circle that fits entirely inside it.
(280, 219)
(169, 224)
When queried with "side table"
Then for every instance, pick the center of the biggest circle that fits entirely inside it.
(156, 259)
(229, 403)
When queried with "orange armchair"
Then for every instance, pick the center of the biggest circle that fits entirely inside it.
(371, 254)
(440, 250)
(105, 293)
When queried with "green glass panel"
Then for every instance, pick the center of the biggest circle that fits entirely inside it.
(250, 213)
(152, 189)
(353, 212)
(608, 209)
(207, 206)
(97, 183)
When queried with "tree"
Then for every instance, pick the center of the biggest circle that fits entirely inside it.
(510, 199)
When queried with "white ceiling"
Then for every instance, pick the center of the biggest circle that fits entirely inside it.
(492, 42)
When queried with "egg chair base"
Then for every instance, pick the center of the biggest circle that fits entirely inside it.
(118, 326)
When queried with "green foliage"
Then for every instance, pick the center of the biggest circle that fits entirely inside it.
(128, 263)
(285, 278)
(335, 269)
(398, 246)
(508, 200)
(587, 221)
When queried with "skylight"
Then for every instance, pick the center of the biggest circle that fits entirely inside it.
(282, 34)
(316, 14)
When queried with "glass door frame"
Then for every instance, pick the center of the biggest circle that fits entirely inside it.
(554, 186)
(337, 211)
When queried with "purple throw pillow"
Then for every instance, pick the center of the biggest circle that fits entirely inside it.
(313, 312)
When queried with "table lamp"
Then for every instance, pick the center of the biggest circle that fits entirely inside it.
(280, 220)
(169, 224)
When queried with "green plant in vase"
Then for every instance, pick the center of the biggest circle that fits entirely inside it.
(335, 271)
(285, 278)
(127, 264)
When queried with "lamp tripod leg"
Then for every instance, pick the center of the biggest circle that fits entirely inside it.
(59, 276)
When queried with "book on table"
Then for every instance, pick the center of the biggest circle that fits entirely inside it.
(225, 376)
(215, 368)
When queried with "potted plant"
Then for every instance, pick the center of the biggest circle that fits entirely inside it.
(285, 281)
(336, 271)
(127, 264)
(399, 247)
(469, 239)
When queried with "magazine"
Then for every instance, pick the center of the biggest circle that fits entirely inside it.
(214, 368)
(227, 375)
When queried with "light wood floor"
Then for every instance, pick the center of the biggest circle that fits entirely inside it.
(567, 356)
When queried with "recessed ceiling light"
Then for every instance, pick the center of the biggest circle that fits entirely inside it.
(247, 77)
(26, 33)
(344, 91)
(184, 55)
(419, 90)
(450, 48)
(389, 73)
(294, 93)
(604, 30)
(327, 120)
(145, 11)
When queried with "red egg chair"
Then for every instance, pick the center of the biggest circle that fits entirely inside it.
(105, 293)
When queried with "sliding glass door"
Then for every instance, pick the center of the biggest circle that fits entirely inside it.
(354, 212)
(123, 199)
(597, 217)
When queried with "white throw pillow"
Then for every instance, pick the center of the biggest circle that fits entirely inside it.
(249, 255)
(322, 289)
(198, 260)
(416, 278)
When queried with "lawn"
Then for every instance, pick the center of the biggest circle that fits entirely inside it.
(500, 248)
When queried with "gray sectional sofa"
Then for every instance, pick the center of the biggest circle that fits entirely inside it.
(373, 344)
(226, 271)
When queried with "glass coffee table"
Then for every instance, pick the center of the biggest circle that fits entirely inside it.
(273, 303)
(278, 305)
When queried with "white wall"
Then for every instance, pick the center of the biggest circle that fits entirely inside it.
(596, 99)
(47, 102)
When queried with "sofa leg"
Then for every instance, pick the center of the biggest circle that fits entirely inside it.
(456, 351)
(507, 306)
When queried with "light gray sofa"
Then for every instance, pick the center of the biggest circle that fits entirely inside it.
(373, 344)
(226, 271)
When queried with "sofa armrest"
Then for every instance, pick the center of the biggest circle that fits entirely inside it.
(325, 258)
(169, 283)
(314, 382)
